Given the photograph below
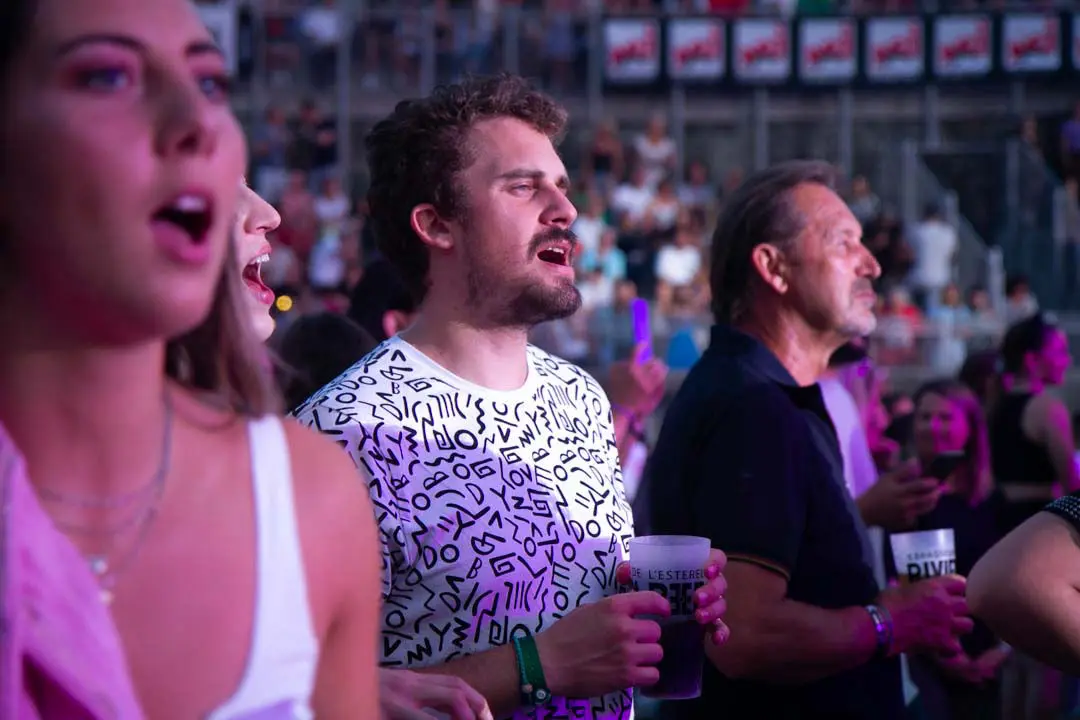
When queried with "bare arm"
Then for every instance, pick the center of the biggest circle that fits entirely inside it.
(337, 528)
(492, 673)
(785, 641)
(1027, 589)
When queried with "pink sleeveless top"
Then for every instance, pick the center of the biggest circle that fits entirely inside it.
(60, 654)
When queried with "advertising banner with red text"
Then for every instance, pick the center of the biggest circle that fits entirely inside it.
(963, 46)
(631, 50)
(1031, 42)
(827, 50)
(696, 49)
(894, 50)
(761, 51)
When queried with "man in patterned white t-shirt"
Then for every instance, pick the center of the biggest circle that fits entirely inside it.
(493, 466)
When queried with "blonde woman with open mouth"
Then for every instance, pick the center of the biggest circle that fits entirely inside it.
(403, 694)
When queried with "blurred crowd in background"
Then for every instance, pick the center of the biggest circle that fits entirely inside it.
(644, 231)
(647, 198)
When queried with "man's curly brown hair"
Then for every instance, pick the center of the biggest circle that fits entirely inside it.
(416, 154)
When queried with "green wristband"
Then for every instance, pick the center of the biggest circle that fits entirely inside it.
(534, 689)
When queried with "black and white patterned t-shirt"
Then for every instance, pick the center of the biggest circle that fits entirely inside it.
(499, 512)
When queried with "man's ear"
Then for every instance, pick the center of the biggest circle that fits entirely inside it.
(430, 227)
(394, 321)
(771, 266)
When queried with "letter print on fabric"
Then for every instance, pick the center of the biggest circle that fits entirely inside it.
(499, 512)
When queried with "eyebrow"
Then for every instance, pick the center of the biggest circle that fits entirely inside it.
(195, 48)
(562, 182)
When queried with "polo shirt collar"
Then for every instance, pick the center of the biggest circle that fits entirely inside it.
(731, 341)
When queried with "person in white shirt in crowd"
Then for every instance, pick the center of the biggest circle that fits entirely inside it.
(630, 202)
(326, 264)
(331, 204)
(402, 693)
(322, 23)
(698, 194)
(655, 151)
(607, 258)
(664, 210)
(935, 243)
(678, 263)
(597, 290)
(591, 224)
(1020, 301)
(494, 466)
(321, 26)
(951, 326)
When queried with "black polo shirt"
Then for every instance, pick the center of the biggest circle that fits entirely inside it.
(749, 459)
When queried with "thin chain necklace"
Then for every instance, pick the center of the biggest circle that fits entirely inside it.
(107, 569)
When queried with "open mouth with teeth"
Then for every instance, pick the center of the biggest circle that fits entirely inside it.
(555, 255)
(253, 279)
(189, 213)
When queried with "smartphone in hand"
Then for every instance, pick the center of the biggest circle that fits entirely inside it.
(944, 465)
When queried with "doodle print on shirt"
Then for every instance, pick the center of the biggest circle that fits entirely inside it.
(499, 512)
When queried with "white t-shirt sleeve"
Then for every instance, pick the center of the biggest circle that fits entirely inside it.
(951, 242)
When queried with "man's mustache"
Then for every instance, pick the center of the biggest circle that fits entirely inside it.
(554, 235)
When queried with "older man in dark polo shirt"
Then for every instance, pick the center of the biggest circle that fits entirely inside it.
(749, 458)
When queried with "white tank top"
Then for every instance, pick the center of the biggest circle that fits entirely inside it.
(280, 673)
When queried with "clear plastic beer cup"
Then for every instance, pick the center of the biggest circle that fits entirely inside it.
(922, 555)
(674, 566)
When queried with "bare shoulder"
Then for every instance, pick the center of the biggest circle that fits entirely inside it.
(1047, 404)
(1044, 413)
(327, 483)
(336, 522)
(1041, 547)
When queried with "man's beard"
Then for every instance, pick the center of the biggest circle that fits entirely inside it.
(852, 327)
(527, 301)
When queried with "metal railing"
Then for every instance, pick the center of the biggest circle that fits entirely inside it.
(938, 343)
(1035, 243)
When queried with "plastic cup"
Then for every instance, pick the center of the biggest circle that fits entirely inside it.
(674, 566)
(922, 555)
